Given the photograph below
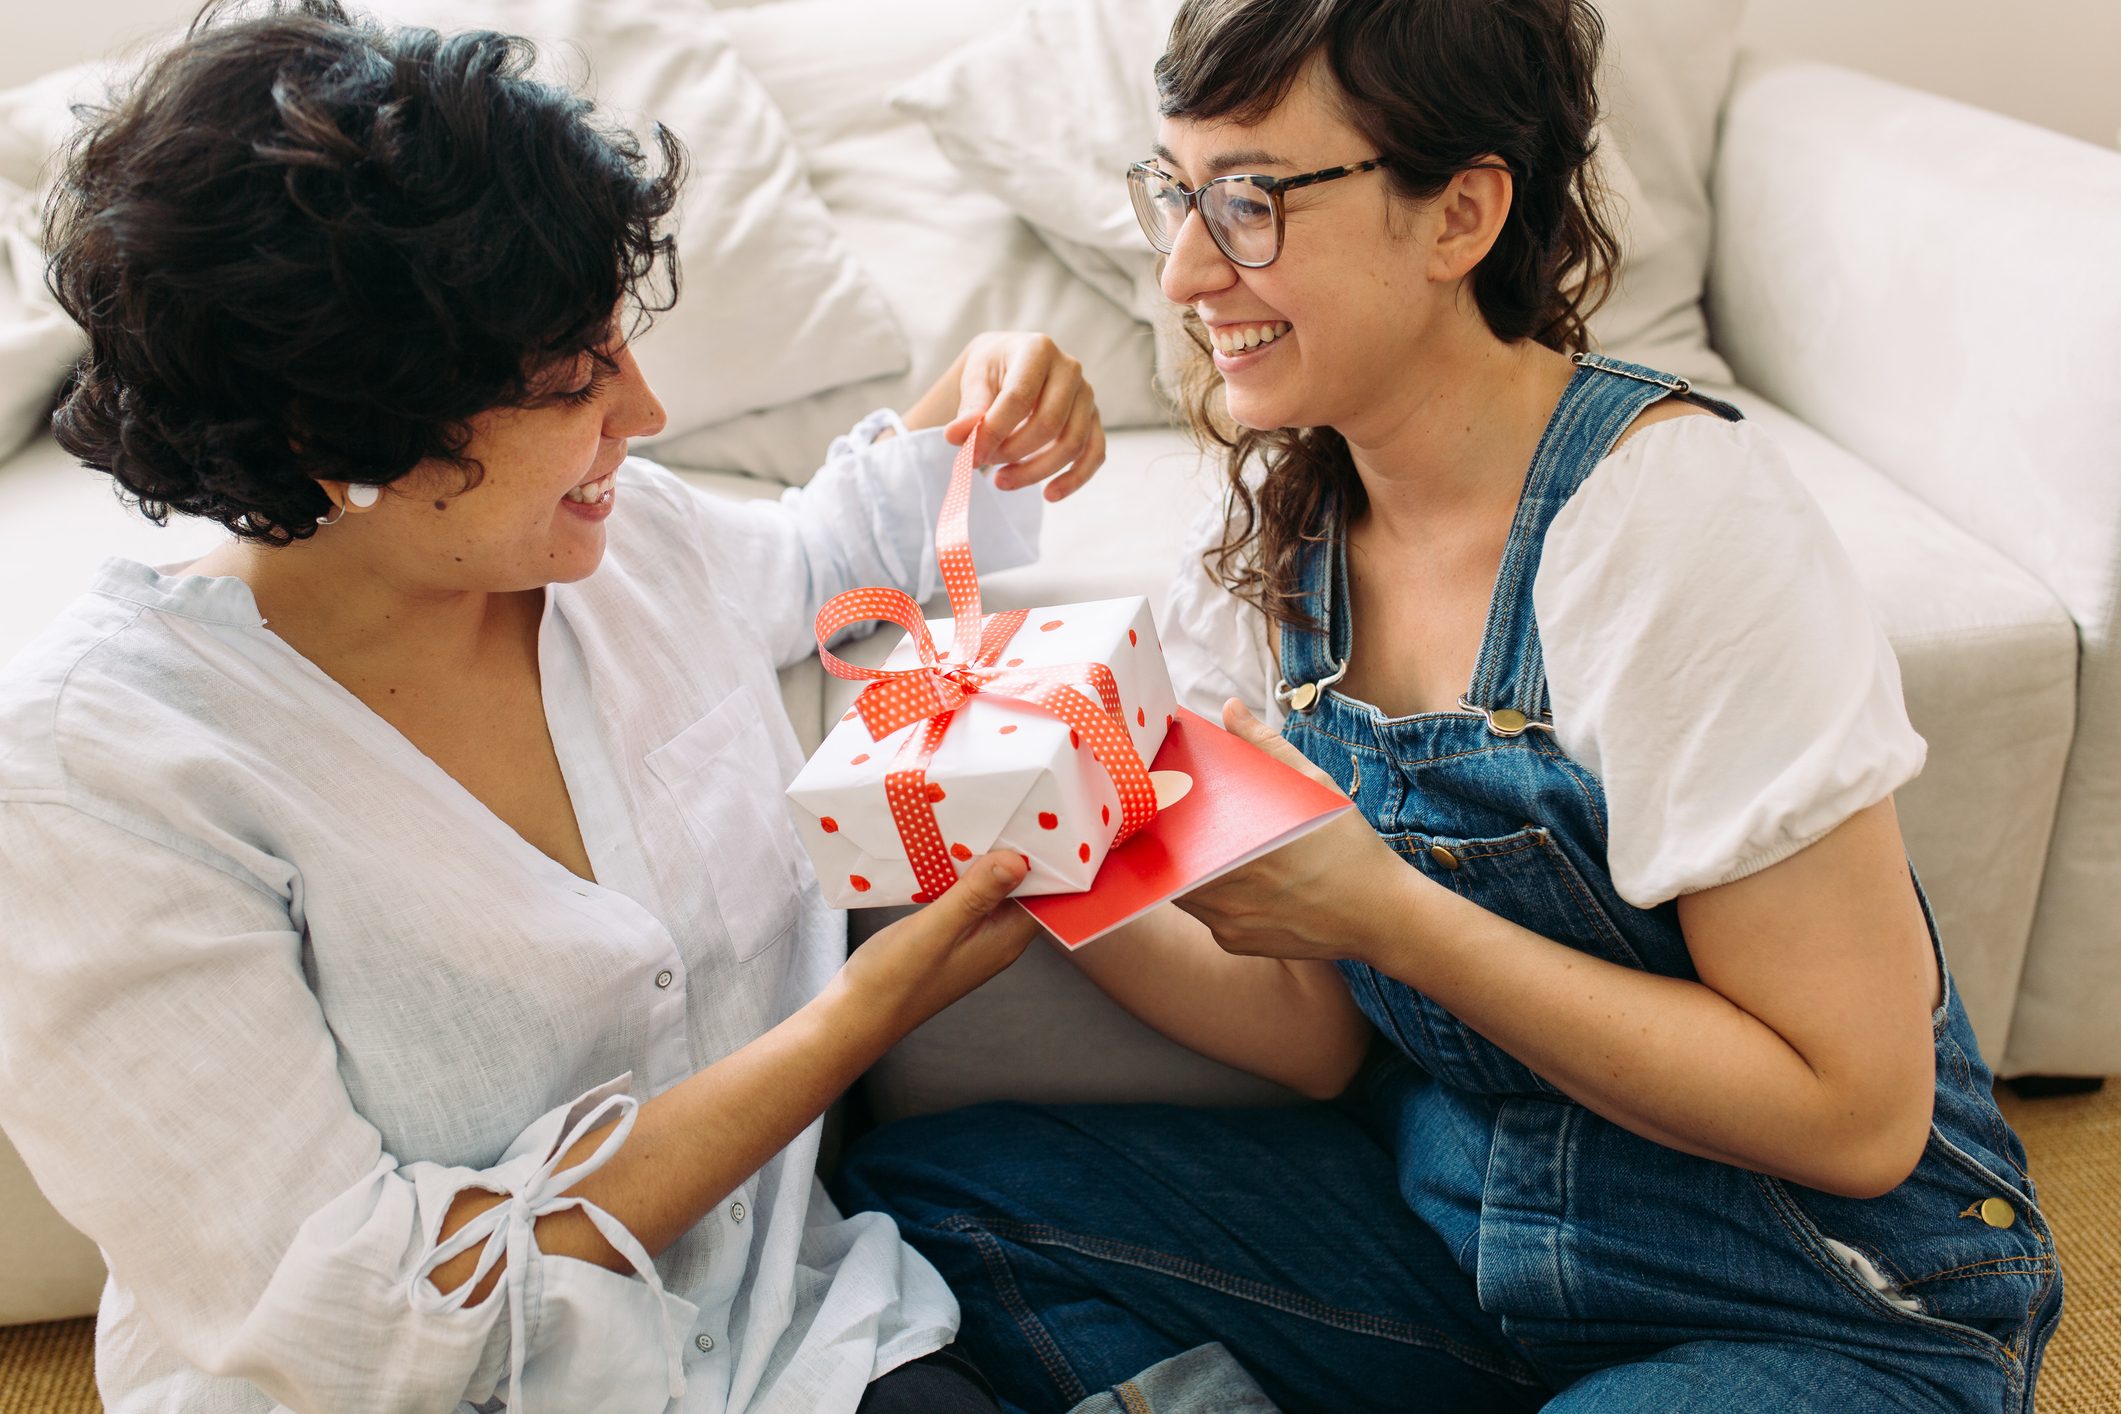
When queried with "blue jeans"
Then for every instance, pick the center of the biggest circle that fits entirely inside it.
(1089, 1242)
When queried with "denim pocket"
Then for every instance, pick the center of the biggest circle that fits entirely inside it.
(1927, 1254)
(1525, 877)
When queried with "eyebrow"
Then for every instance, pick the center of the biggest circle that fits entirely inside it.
(1229, 161)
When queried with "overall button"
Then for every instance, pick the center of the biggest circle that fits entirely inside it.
(1304, 696)
(1508, 720)
(663, 979)
(1444, 858)
(1998, 1213)
(736, 1212)
(705, 1342)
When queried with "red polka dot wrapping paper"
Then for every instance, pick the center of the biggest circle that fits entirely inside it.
(1002, 768)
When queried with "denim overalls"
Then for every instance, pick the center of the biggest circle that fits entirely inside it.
(1454, 1234)
(1575, 1229)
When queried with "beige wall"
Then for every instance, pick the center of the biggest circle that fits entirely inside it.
(2052, 62)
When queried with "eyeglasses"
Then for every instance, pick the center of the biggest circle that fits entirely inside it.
(1243, 214)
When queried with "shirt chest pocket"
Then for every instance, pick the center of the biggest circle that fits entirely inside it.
(721, 776)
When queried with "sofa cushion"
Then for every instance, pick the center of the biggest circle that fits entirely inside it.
(952, 259)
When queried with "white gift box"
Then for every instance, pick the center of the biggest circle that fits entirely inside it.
(1007, 775)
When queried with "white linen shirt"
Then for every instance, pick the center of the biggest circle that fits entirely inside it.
(1710, 657)
(278, 988)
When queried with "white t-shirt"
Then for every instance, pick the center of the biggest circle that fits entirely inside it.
(1710, 657)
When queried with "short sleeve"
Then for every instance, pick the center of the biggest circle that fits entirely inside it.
(1215, 644)
(1711, 657)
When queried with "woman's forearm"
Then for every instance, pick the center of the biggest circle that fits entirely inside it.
(697, 1142)
(1666, 1058)
(1290, 1021)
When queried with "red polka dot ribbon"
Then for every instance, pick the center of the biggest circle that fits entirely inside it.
(1084, 695)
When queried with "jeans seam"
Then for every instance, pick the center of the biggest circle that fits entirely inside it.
(1574, 772)
(1256, 1292)
(1995, 1267)
(1593, 911)
(1130, 1395)
(1500, 744)
(996, 1259)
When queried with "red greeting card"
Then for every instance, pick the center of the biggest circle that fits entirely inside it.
(1238, 803)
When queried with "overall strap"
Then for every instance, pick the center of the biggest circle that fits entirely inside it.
(1602, 400)
(1313, 659)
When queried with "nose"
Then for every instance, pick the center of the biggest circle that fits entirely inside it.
(1195, 266)
(633, 409)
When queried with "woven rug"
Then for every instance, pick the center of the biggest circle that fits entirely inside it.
(2075, 1143)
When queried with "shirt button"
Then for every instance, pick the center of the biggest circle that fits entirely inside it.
(736, 1212)
(705, 1342)
(662, 979)
(1443, 857)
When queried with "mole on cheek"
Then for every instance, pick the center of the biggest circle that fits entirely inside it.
(441, 505)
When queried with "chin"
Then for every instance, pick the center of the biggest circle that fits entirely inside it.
(577, 562)
(1255, 412)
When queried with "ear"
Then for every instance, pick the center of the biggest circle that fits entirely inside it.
(1470, 212)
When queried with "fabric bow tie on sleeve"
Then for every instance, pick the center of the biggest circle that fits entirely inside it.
(1084, 695)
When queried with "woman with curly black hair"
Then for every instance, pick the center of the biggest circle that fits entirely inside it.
(414, 984)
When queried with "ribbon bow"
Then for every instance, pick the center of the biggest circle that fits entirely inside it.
(933, 691)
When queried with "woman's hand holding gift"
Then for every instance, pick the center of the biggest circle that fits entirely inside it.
(1040, 412)
(927, 960)
(1319, 896)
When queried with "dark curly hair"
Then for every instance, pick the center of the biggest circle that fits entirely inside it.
(1436, 86)
(306, 248)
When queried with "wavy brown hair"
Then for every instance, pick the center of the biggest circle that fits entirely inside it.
(1436, 86)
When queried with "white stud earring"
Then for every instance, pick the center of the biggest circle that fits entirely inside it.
(362, 495)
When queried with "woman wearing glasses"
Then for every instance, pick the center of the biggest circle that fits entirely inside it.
(1672, 1104)
(413, 982)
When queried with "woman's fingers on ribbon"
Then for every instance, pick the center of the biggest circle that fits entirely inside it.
(1078, 451)
(1023, 387)
(1003, 375)
(1050, 409)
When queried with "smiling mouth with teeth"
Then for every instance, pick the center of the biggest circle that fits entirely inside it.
(1242, 338)
(589, 493)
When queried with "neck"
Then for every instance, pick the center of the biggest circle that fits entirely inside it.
(1460, 433)
(364, 624)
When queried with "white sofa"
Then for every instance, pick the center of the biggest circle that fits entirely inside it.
(1920, 300)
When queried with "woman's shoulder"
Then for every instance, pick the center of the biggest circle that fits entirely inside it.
(135, 705)
(1679, 492)
(98, 661)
